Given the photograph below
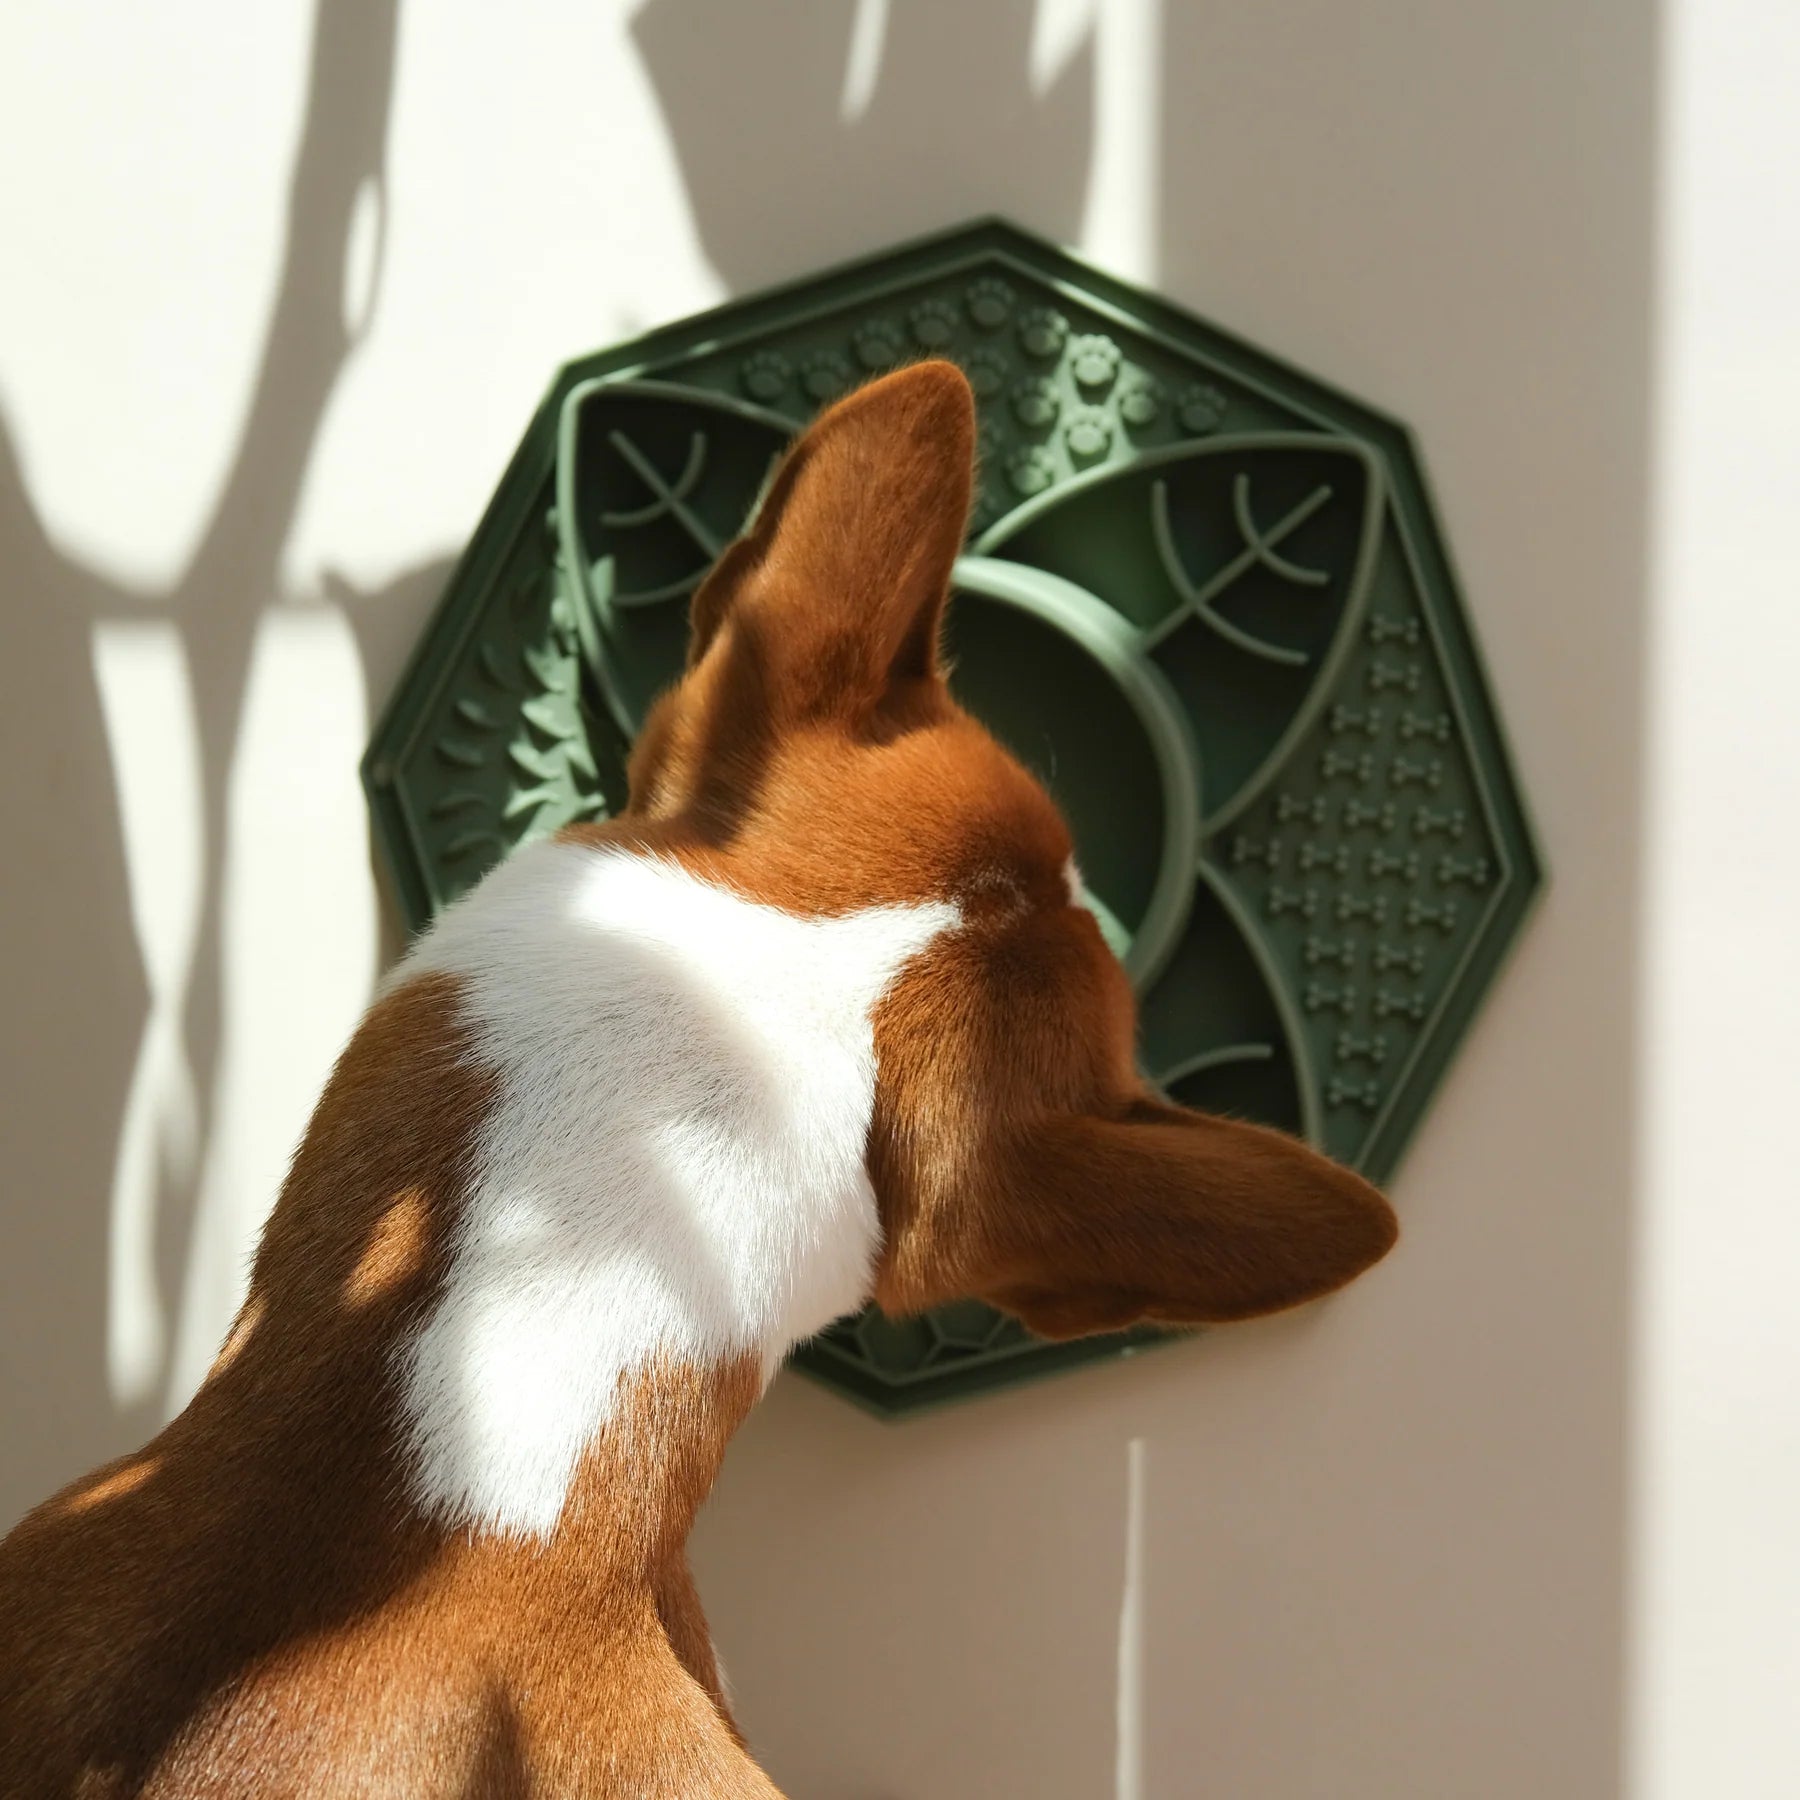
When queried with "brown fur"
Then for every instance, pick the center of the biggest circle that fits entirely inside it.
(250, 1605)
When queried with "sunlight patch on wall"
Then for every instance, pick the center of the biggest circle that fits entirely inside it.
(362, 256)
(297, 938)
(1714, 1647)
(1123, 215)
(1128, 1763)
(1121, 212)
(1059, 30)
(142, 251)
(463, 333)
(147, 702)
(862, 65)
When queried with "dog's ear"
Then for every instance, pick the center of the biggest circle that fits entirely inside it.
(841, 580)
(1174, 1217)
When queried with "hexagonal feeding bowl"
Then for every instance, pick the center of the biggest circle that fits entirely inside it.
(1204, 597)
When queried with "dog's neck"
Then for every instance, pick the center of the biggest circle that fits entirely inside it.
(660, 1186)
(592, 1164)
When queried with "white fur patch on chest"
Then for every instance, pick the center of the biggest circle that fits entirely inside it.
(673, 1165)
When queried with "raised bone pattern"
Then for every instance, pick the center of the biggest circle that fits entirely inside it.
(1370, 865)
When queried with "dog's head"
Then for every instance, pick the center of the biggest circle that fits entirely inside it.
(1016, 1153)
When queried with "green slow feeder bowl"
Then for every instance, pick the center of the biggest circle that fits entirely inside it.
(1204, 598)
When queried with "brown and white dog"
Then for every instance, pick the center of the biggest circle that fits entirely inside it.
(819, 1019)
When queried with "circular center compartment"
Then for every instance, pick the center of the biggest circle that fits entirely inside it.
(1060, 679)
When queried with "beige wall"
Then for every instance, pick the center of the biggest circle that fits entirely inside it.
(266, 337)
(1715, 1623)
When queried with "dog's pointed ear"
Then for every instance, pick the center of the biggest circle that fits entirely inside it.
(1174, 1217)
(840, 582)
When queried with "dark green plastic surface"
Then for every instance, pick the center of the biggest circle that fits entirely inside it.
(1205, 598)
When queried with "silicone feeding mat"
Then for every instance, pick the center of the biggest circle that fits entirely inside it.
(1204, 598)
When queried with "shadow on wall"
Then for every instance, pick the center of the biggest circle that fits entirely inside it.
(809, 133)
(88, 1047)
